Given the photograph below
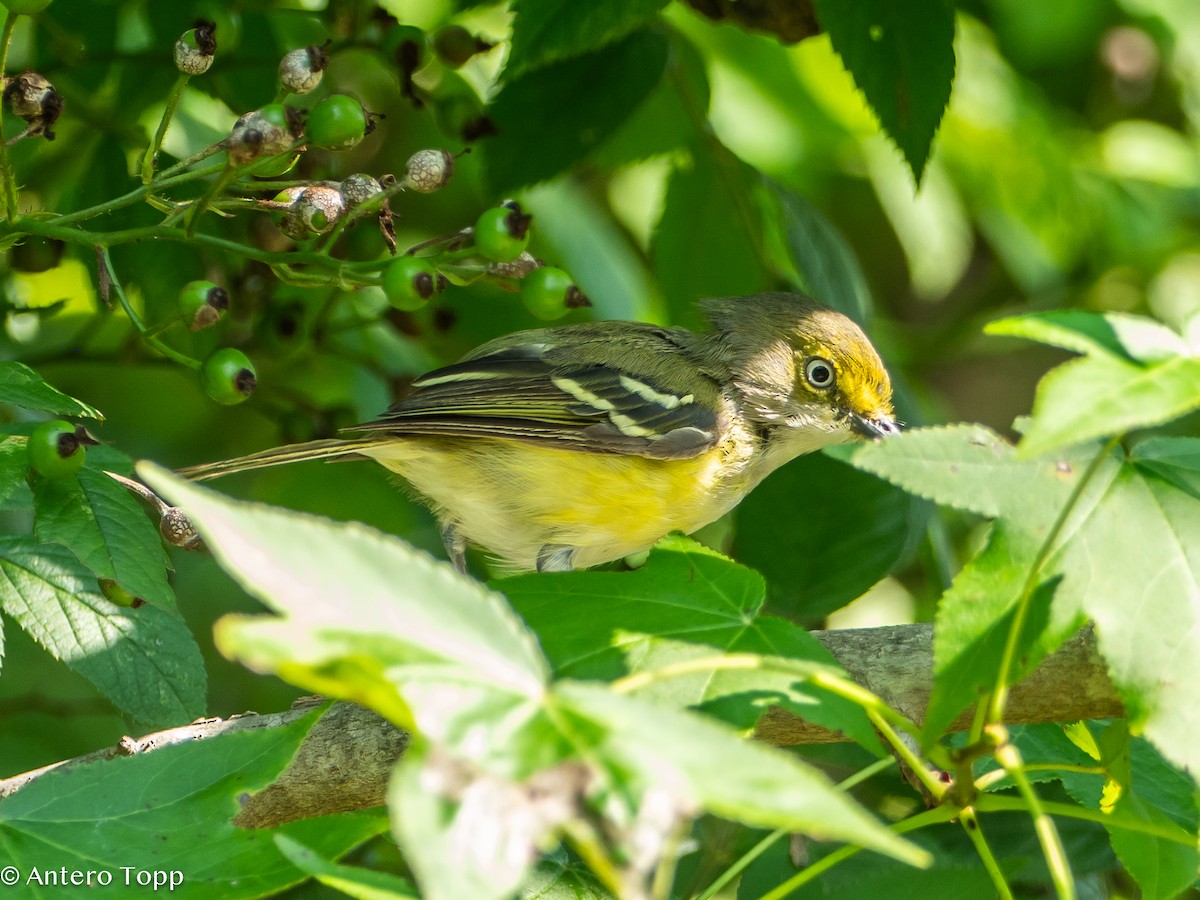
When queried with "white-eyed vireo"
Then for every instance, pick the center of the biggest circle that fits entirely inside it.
(567, 447)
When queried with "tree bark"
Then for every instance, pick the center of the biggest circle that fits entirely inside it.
(896, 663)
(345, 761)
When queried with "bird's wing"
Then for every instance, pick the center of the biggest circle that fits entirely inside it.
(569, 397)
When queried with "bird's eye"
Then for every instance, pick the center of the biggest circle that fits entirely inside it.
(819, 373)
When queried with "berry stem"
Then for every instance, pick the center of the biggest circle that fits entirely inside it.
(193, 159)
(142, 193)
(336, 271)
(164, 123)
(199, 206)
(10, 187)
(452, 256)
(109, 274)
(136, 487)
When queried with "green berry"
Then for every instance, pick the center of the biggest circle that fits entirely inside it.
(409, 282)
(56, 448)
(285, 329)
(288, 223)
(228, 376)
(502, 233)
(277, 114)
(201, 303)
(454, 45)
(406, 45)
(118, 595)
(26, 7)
(290, 195)
(544, 292)
(36, 254)
(455, 105)
(337, 123)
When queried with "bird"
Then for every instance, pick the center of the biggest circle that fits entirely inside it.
(567, 447)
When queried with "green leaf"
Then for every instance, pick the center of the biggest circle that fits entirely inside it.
(554, 879)
(1152, 826)
(656, 767)
(14, 466)
(1163, 786)
(828, 268)
(548, 31)
(687, 602)
(716, 770)
(1145, 605)
(371, 619)
(974, 619)
(169, 811)
(1134, 338)
(1172, 459)
(533, 145)
(22, 386)
(1044, 744)
(366, 615)
(1137, 373)
(363, 884)
(1099, 395)
(1162, 868)
(815, 564)
(952, 875)
(902, 59)
(707, 240)
(501, 760)
(968, 467)
(144, 660)
(104, 526)
(971, 468)
(663, 123)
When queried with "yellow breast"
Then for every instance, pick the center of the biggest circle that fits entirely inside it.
(513, 498)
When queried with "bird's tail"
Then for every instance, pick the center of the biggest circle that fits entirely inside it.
(281, 456)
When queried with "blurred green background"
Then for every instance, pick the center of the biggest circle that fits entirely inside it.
(1066, 173)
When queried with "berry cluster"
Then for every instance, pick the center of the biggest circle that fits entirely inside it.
(314, 217)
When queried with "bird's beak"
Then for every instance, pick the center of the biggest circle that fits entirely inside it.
(878, 427)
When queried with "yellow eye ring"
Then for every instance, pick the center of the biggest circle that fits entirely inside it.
(819, 373)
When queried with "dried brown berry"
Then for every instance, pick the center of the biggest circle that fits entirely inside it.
(177, 528)
(301, 70)
(195, 48)
(428, 170)
(33, 98)
(360, 188)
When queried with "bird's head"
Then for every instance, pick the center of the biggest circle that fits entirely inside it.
(804, 367)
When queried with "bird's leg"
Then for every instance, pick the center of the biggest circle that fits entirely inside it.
(556, 558)
(455, 544)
